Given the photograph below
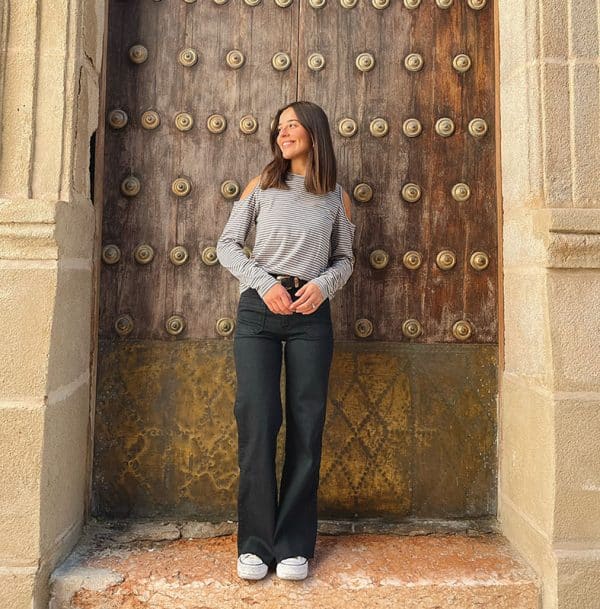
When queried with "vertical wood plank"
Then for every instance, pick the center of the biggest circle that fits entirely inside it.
(199, 293)
(437, 298)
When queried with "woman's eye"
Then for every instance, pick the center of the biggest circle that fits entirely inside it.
(289, 126)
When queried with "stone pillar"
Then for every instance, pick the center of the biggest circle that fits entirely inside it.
(549, 415)
(49, 73)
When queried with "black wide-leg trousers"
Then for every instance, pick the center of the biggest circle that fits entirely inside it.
(276, 525)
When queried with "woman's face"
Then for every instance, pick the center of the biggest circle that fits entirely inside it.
(293, 139)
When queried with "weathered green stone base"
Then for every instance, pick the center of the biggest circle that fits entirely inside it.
(410, 431)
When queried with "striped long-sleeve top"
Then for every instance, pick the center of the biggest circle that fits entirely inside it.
(297, 233)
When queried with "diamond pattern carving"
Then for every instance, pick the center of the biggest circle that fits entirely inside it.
(410, 431)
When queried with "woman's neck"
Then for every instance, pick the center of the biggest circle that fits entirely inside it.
(298, 166)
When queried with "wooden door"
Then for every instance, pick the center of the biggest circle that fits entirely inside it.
(191, 90)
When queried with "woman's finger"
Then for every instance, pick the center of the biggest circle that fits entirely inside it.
(310, 306)
(275, 307)
(301, 290)
(297, 304)
(304, 297)
(283, 305)
(286, 301)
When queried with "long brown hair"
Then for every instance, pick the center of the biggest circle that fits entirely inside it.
(321, 166)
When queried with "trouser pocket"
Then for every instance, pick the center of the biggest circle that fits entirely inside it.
(251, 315)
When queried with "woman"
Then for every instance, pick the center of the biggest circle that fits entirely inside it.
(302, 256)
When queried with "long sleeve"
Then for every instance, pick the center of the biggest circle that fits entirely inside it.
(230, 244)
(341, 260)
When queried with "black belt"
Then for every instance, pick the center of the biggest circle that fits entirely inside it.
(289, 282)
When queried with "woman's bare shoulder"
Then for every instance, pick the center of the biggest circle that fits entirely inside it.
(347, 204)
(252, 184)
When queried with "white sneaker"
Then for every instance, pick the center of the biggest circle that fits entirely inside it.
(295, 568)
(251, 566)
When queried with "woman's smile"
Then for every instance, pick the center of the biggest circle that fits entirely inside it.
(292, 138)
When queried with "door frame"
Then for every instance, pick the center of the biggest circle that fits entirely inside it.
(98, 190)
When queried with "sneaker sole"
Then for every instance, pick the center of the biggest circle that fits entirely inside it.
(292, 573)
(252, 572)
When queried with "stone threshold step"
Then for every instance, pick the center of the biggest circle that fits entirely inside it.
(155, 567)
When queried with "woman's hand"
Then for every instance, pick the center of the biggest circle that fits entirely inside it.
(278, 300)
(309, 299)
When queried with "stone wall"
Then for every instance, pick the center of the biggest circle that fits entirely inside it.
(549, 490)
(49, 92)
